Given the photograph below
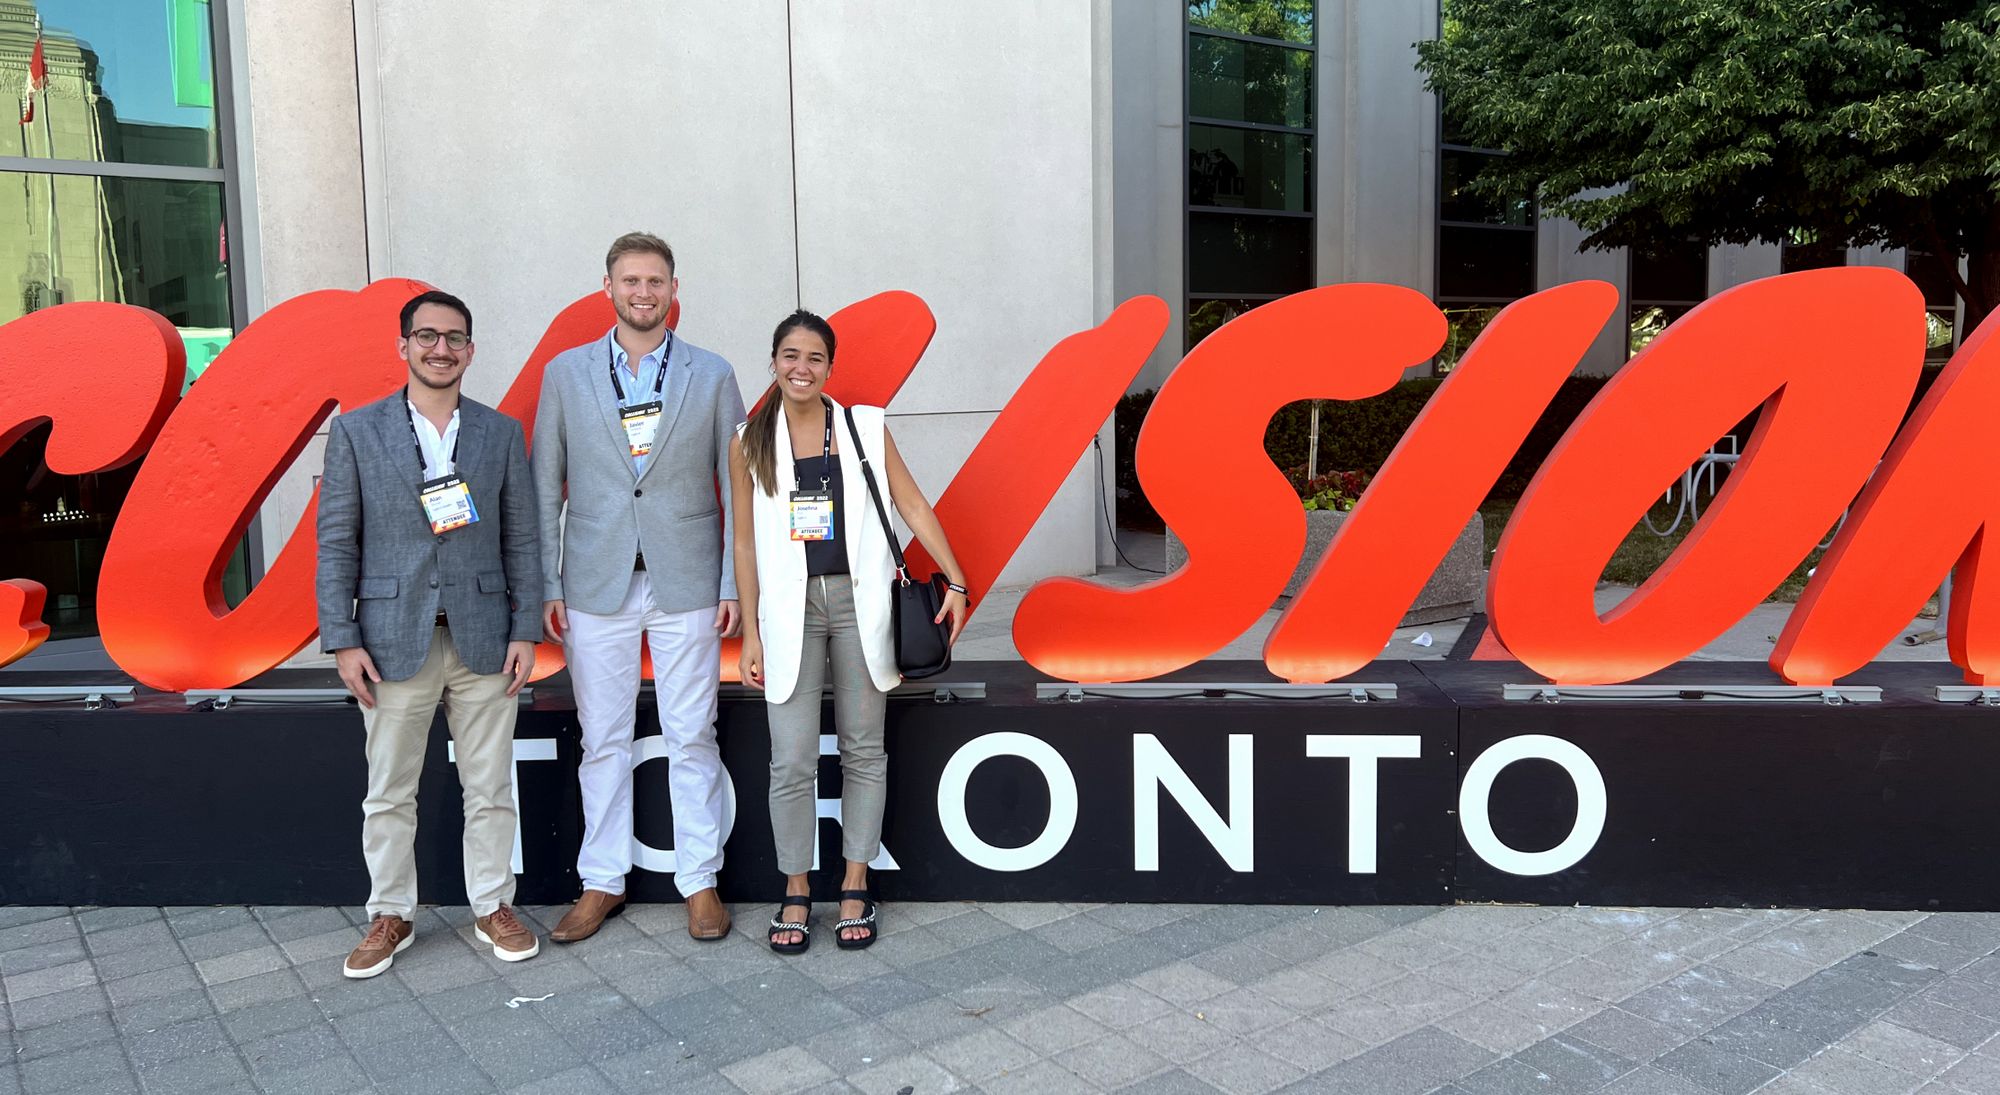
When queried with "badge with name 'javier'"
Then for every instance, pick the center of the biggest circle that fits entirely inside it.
(447, 503)
(642, 426)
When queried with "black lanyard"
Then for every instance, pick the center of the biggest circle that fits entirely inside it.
(659, 378)
(423, 466)
(826, 449)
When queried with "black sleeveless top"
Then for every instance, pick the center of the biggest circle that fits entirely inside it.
(828, 556)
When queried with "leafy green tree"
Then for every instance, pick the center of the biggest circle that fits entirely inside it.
(1847, 122)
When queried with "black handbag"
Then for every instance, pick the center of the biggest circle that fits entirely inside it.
(923, 646)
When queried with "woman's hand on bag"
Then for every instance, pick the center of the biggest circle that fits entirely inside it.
(750, 663)
(955, 606)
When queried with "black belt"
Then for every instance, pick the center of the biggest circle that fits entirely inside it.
(440, 619)
(639, 561)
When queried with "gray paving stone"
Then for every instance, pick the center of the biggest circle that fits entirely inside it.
(241, 964)
(137, 960)
(1414, 1062)
(188, 922)
(263, 1020)
(1713, 1069)
(582, 1080)
(92, 921)
(1847, 1073)
(56, 927)
(1930, 952)
(887, 993)
(41, 956)
(304, 923)
(1076, 933)
(1506, 1076)
(1946, 1024)
(1112, 1061)
(1967, 995)
(1758, 1035)
(92, 1069)
(402, 1019)
(1633, 1037)
(146, 933)
(905, 1074)
(1241, 1070)
(206, 945)
(336, 1075)
(1971, 931)
(1241, 962)
(415, 1054)
(1494, 1027)
(1976, 1072)
(292, 1049)
(1904, 1049)
(53, 979)
(1180, 1036)
(162, 1011)
(515, 1046)
(1651, 1081)
(665, 1067)
(149, 986)
(458, 1078)
(157, 1047)
(1574, 1065)
(56, 1007)
(264, 988)
(84, 1030)
(1171, 1082)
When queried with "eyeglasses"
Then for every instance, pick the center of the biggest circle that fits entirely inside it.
(427, 338)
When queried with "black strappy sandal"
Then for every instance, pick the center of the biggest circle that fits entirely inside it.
(802, 925)
(865, 920)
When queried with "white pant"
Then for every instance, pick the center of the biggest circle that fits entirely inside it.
(603, 655)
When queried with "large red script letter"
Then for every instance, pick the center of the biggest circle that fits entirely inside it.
(1927, 508)
(1201, 458)
(162, 614)
(1832, 355)
(1435, 479)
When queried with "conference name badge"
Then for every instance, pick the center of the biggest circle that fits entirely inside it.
(447, 503)
(812, 515)
(642, 425)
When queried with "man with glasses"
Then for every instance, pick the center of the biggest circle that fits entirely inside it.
(429, 587)
(636, 427)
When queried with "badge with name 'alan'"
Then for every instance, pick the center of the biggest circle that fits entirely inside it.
(448, 504)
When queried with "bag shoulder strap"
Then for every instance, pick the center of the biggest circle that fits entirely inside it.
(881, 511)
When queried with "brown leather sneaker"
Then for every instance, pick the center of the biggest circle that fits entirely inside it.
(708, 920)
(587, 915)
(388, 936)
(511, 940)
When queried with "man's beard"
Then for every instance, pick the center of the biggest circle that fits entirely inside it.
(633, 321)
(423, 376)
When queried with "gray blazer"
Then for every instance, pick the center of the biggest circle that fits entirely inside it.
(676, 511)
(383, 575)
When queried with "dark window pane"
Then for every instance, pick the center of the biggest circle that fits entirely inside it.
(1284, 20)
(1932, 275)
(1463, 323)
(1204, 316)
(1249, 168)
(128, 81)
(1485, 262)
(1677, 271)
(1648, 321)
(1248, 82)
(1939, 341)
(1247, 253)
(1457, 203)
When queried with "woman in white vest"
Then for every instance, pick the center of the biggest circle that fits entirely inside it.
(813, 569)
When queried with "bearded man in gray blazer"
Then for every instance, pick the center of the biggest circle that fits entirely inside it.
(429, 579)
(635, 426)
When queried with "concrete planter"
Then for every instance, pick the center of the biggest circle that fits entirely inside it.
(1455, 589)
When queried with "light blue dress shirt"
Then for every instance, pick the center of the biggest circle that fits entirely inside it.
(640, 389)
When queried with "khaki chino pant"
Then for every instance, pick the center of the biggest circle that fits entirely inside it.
(481, 716)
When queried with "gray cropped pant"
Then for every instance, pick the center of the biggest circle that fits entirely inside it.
(831, 637)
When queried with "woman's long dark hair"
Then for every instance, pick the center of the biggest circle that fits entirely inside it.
(760, 437)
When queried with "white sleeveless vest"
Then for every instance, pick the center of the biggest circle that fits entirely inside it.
(781, 561)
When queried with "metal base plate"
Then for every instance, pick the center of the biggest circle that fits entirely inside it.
(1215, 690)
(1708, 693)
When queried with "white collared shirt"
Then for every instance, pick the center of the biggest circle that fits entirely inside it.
(436, 447)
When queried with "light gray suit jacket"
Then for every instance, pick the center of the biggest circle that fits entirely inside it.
(676, 511)
(383, 575)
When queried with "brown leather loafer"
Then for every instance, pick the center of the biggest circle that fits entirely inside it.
(587, 915)
(708, 920)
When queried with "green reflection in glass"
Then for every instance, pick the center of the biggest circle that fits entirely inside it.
(1249, 82)
(1284, 20)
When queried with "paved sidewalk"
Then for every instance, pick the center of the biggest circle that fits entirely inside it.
(1019, 998)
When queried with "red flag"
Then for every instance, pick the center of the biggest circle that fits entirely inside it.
(38, 78)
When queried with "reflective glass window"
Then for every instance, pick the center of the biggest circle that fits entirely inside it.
(1284, 20)
(1249, 168)
(122, 81)
(1247, 253)
(1249, 82)
(1456, 201)
(1485, 262)
(1204, 316)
